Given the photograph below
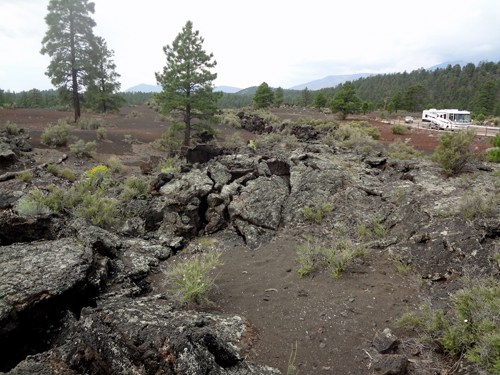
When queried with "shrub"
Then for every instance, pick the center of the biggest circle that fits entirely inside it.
(480, 118)
(25, 176)
(472, 204)
(494, 155)
(98, 176)
(169, 165)
(336, 257)
(115, 165)
(399, 150)
(67, 174)
(101, 133)
(29, 208)
(402, 267)
(291, 143)
(378, 228)
(316, 211)
(53, 169)
(160, 118)
(235, 140)
(471, 329)
(398, 129)
(80, 148)
(454, 151)
(133, 114)
(11, 128)
(97, 208)
(133, 187)
(231, 119)
(190, 277)
(57, 135)
(382, 116)
(90, 123)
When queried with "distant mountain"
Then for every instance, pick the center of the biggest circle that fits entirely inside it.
(143, 87)
(462, 63)
(330, 81)
(249, 90)
(227, 89)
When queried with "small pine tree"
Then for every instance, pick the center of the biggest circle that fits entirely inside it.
(263, 97)
(319, 100)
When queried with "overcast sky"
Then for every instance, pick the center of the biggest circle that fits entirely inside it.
(284, 43)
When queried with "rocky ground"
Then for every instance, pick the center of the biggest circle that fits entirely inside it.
(79, 298)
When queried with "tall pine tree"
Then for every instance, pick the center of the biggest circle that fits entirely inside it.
(69, 42)
(187, 80)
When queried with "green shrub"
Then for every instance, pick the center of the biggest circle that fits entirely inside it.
(98, 176)
(25, 176)
(398, 129)
(291, 143)
(235, 140)
(382, 116)
(378, 228)
(56, 135)
(471, 329)
(336, 257)
(190, 276)
(231, 119)
(472, 204)
(170, 165)
(402, 267)
(90, 123)
(399, 150)
(133, 187)
(454, 151)
(29, 208)
(101, 133)
(80, 148)
(97, 208)
(53, 169)
(115, 165)
(133, 114)
(494, 154)
(480, 118)
(160, 118)
(67, 174)
(316, 212)
(11, 128)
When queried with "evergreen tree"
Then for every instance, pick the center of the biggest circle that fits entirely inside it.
(187, 80)
(414, 97)
(391, 108)
(319, 100)
(2, 97)
(398, 101)
(263, 97)
(101, 92)
(69, 41)
(279, 97)
(346, 101)
(486, 97)
(305, 97)
(365, 107)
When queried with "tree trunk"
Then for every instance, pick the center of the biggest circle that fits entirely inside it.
(76, 100)
(187, 122)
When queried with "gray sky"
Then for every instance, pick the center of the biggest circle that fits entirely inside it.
(284, 43)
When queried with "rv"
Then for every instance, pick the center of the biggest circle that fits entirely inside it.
(446, 118)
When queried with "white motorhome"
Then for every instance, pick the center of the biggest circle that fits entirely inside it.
(446, 118)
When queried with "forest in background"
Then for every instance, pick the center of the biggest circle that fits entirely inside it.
(471, 87)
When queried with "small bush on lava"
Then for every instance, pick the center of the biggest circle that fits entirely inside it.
(454, 151)
(80, 148)
(399, 150)
(25, 176)
(316, 212)
(29, 208)
(190, 276)
(398, 129)
(471, 329)
(11, 129)
(56, 135)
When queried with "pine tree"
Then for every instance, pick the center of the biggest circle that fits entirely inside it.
(346, 101)
(102, 90)
(69, 42)
(486, 97)
(305, 97)
(187, 80)
(279, 98)
(319, 100)
(391, 108)
(365, 107)
(263, 97)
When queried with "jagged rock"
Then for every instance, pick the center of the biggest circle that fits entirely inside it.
(312, 178)
(195, 183)
(374, 161)
(260, 202)
(134, 226)
(201, 153)
(159, 181)
(304, 132)
(20, 229)
(215, 214)
(385, 341)
(254, 236)
(391, 365)
(147, 335)
(32, 273)
(102, 241)
(220, 174)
